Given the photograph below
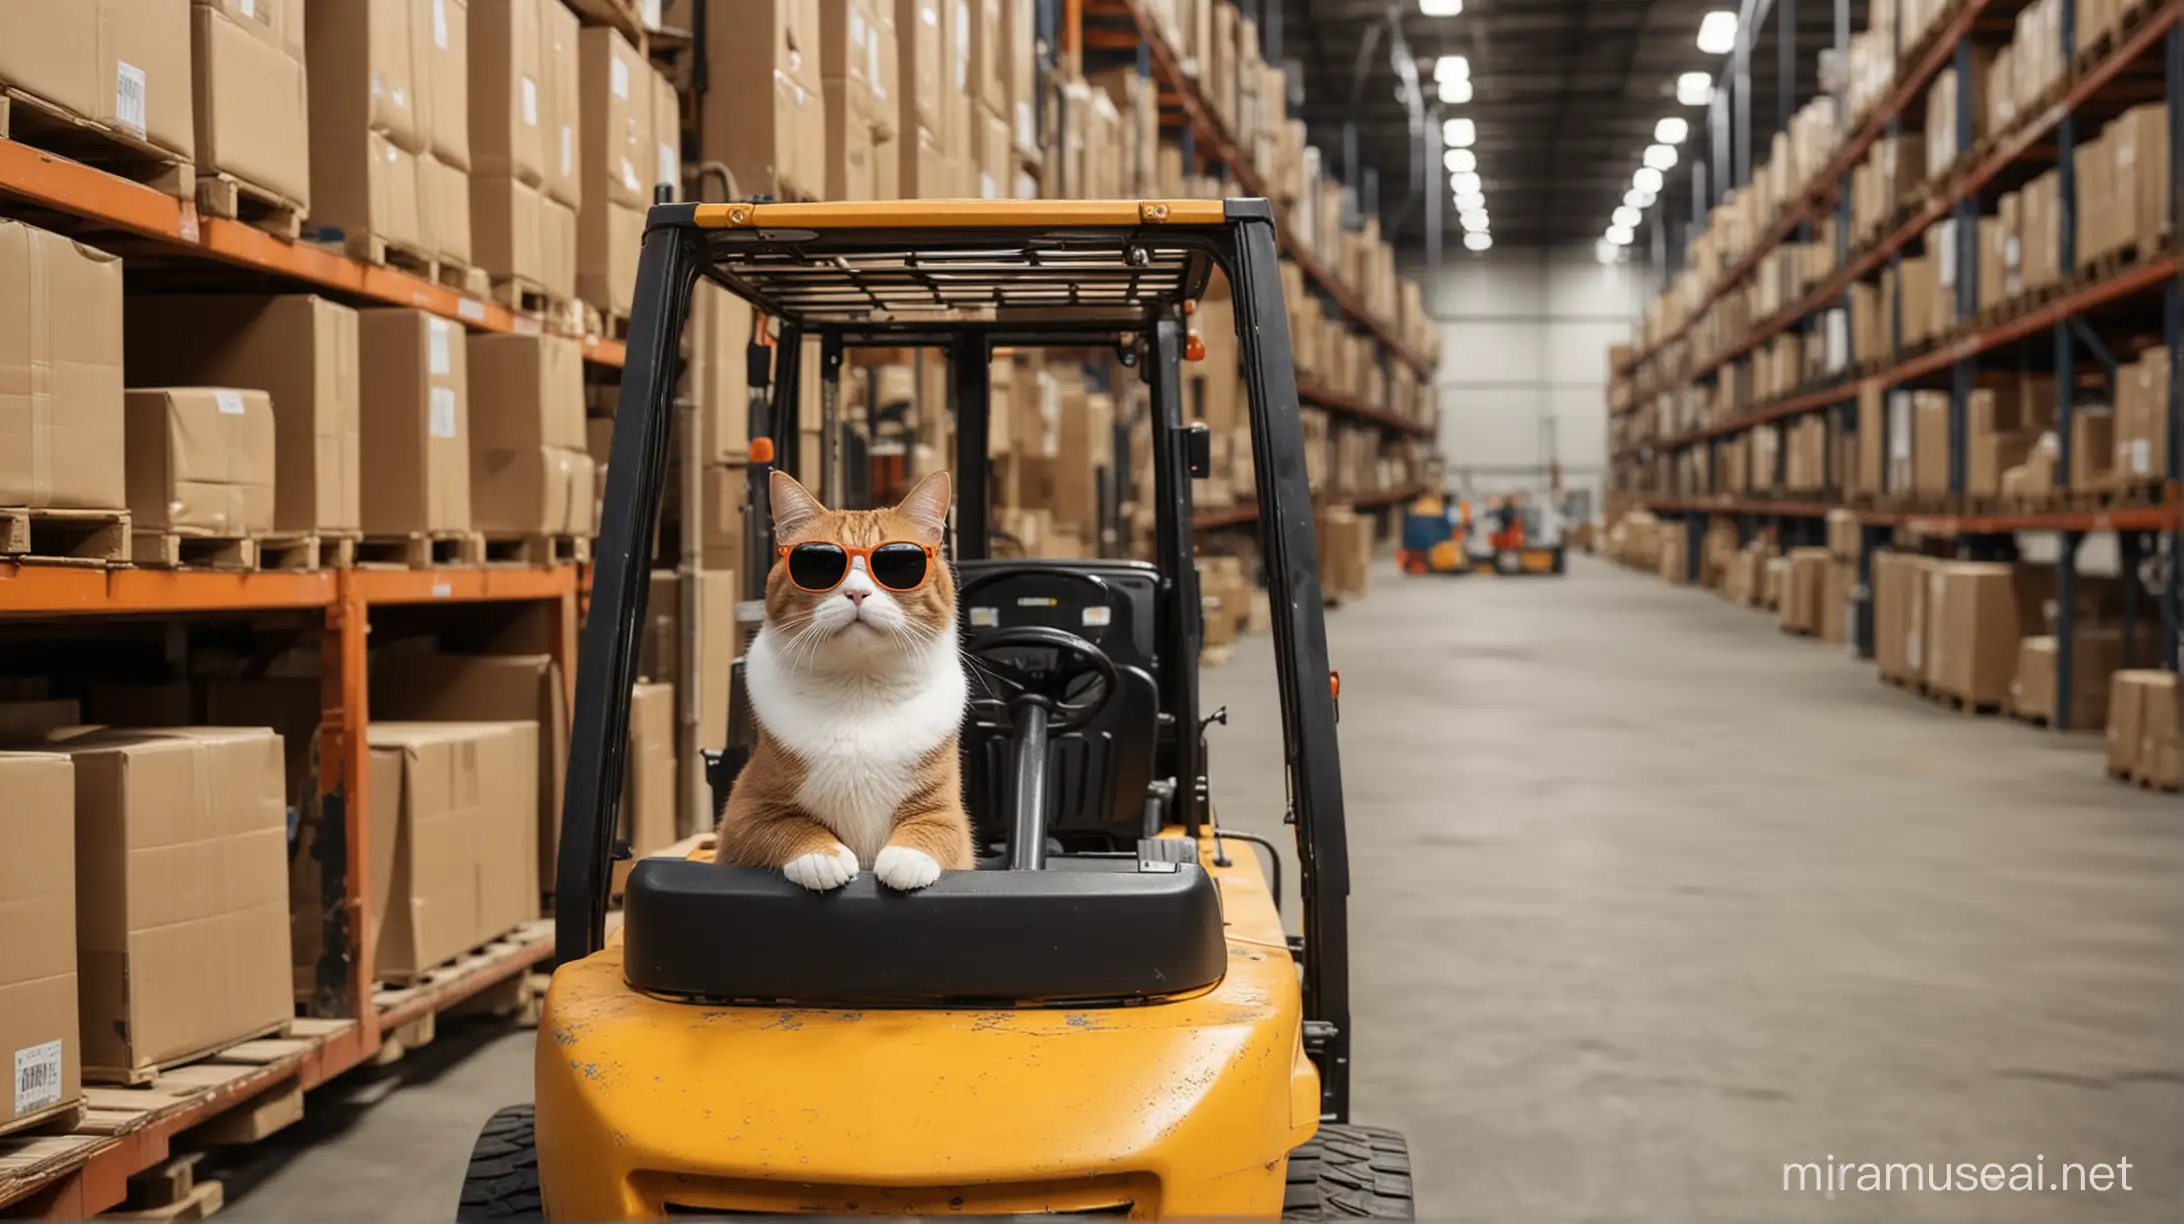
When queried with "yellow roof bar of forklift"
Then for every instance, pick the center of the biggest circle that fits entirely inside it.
(961, 214)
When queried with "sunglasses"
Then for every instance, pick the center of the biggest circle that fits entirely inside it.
(818, 566)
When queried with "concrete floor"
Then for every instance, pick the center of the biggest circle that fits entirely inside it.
(1649, 900)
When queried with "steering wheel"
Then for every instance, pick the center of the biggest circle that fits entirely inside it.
(1104, 594)
(1074, 659)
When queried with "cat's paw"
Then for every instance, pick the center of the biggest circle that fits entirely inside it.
(823, 870)
(904, 869)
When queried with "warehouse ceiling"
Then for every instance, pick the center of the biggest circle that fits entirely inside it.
(1565, 97)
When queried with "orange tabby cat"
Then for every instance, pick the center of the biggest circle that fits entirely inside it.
(859, 692)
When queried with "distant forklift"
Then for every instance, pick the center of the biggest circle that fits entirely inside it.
(1508, 536)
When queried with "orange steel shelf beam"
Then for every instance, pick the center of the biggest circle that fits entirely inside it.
(53, 589)
(2132, 518)
(391, 586)
(1233, 516)
(1939, 204)
(95, 195)
(1317, 396)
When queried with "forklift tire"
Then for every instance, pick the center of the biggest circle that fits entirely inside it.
(502, 1183)
(1350, 1173)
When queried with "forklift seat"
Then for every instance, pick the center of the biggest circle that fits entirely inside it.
(1100, 776)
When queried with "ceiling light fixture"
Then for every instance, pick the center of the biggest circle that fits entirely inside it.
(1694, 89)
(1476, 221)
(1638, 197)
(1647, 179)
(1440, 8)
(1627, 217)
(1606, 252)
(1451, 68)
(1456, 93)
(1620, 235)
(1459, 160)
(1469, 201)
(1466, 180)
(1458, 133)
(1478, 240)
(1671, 130)
(1718, 32)
(1660, 156)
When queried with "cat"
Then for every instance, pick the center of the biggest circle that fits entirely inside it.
(858, 693)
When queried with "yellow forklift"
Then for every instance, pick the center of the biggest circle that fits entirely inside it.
(1108, 1016)
(1507, 535)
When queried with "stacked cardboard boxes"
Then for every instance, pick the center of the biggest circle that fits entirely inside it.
(2145, 744)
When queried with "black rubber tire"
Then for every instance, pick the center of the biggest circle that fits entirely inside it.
(1350, 1173)
(502, 1183)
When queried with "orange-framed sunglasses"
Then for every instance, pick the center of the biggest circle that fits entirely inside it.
(819, 566)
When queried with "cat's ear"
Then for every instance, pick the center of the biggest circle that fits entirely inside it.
(928, 503)
(793, 505)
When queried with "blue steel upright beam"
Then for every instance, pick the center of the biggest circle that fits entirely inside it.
(2066, 623)
(2172, 614)
(1964, 238)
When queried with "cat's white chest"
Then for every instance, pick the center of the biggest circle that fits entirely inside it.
(861, 740)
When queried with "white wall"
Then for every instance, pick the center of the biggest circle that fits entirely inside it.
(1524, 351)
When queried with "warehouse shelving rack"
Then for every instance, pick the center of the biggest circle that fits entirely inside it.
(2094, 88)
(1122, 29)
(81, 1176)
(91, 1177)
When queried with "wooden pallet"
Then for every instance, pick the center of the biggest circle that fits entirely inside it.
(1961, 704)
(461, 277)
(521, 295)
(224, 195)
(537, 550)
(2148, 784)
(300, 550)
(58, 1119)
(185, 550)
(401, 256)
(170, 1190)
(420, 550)
(605, 324)
(185, 1097)
(154, 1073)
(32, 121)
(95, 538)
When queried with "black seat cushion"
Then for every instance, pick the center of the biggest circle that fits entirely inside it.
(1092, 930)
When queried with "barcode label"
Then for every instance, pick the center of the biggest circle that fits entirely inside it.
(129, 96)
(250, 8)
(651, 14)
(629, 176)
(471, 309)
(872, 69)
(856, 28)
(230, 402)
(618, 79)
(669, 170)
(442, 359)
(530, 102)
(568, 150)
(37, 1078)
(439, 24)
(442, 423)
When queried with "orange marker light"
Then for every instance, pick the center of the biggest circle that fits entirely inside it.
(1190, 306)
(762, 450)
(1334, 684)
(1194, 348)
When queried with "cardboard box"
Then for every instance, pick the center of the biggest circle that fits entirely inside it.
(38, 1011)
(557, 249)
(123, 64)
(1803, 587)
(561, 103)
(60, 372)
(440, 36)
(1977, 614)
(1839, 586)
(2161, 742)
(252, 98)
(2129, 691)
(302, 352)
(2095, 656)
(443, 209)
(718, 646)
(723, 323)
(462, 801)
(200, 459)
(851, 156)
(1987, 456)
(649, 801)
(509, 89)
(2142, 417)
(508, 231)
(1930, 442)
(2092, 446)
(441, 688)
(181, 893)
(529, 471)
(416, 428)
(764, 114)
(367, 124)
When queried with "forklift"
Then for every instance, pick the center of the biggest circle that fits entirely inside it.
(1509, 536)
(1106, 1017)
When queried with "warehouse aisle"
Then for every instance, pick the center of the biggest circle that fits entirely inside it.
(1649, 900)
